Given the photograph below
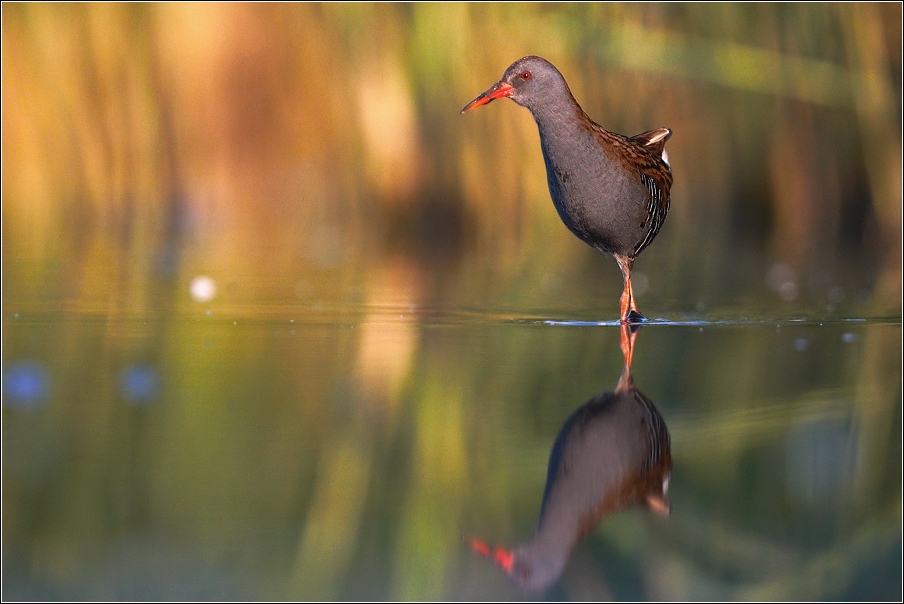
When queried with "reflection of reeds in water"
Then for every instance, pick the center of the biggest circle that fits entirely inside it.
(314, 154)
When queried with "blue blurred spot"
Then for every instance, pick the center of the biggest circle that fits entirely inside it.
(25, 384)
(139, 383)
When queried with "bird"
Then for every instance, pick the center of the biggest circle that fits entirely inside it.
(614, 451)
(612, 191)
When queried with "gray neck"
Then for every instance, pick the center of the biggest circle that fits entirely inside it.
(558, 115)
(553, 541)
(564, 130)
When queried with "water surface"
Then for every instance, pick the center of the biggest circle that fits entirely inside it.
(351, 455)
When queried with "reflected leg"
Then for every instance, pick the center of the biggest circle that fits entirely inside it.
(628, 337)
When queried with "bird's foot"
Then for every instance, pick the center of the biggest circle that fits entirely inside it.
(633, 317)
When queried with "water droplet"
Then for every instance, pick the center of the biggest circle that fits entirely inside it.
(788, 291)
(203, 289)
(25, 384)
(139, 383)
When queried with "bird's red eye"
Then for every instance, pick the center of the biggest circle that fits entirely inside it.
(525, 75)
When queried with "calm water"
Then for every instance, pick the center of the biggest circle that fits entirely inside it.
(309, 454)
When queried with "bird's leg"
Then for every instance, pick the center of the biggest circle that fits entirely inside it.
(628, 336)
(629, 312)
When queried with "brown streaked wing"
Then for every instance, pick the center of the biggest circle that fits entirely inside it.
(654, 140)
(654, 172)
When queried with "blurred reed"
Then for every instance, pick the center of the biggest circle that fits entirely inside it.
(155, 141)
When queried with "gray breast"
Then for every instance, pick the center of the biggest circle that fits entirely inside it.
(596, 197)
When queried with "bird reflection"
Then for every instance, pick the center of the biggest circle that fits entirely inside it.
(612, 452)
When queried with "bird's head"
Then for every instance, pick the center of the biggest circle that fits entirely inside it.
(528, 567)
(529, 82)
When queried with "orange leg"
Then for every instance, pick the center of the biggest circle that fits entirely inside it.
(629, 312)
(628, 336)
